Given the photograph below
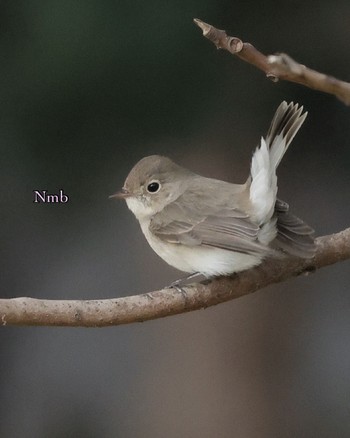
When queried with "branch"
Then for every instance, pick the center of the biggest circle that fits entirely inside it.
(110, 312)
(279, 66)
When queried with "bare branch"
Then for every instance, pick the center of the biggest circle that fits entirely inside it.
(279, 66)
(110, 312)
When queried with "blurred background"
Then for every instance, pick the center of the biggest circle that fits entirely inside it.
(87, 88)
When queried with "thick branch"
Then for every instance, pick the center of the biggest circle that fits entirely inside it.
(101, 313)
(279, 66)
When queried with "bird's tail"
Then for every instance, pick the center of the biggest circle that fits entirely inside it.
(263, 188)
(288, 232)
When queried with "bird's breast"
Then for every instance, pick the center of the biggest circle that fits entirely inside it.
(206, 260)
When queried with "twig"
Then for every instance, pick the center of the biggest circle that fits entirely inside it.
(110, 312)
(279, 66)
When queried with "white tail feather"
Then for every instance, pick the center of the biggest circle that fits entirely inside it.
(263, 190)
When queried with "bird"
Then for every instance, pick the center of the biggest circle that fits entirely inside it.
(208, 227)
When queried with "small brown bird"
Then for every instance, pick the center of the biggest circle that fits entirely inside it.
(212, 227)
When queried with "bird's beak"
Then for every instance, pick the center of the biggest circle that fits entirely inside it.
(121, 195)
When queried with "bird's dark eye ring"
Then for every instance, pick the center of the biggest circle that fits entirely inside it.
(153, 187)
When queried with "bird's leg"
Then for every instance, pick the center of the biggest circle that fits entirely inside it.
(177, 284)
(185, 280)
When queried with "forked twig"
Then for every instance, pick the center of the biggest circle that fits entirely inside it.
(278, 66)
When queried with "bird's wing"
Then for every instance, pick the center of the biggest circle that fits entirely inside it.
(194, 224)
(293, 235)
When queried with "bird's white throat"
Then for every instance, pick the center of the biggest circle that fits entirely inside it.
(140, 209)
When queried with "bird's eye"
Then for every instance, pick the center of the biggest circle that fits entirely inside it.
(153, 187)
